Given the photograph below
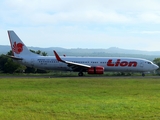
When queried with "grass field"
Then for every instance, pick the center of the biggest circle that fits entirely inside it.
(79, 98)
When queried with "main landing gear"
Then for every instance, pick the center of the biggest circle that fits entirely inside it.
(143, 74)
(80, 74)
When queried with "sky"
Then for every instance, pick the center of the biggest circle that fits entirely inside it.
(99, 24)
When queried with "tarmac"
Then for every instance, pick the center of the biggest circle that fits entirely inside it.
(42, 76)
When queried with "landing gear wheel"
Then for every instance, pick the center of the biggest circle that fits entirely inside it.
(80, 74)
(143, 74)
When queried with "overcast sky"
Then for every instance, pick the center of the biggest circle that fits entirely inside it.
(128, 24)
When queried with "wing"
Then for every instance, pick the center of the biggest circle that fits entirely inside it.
(73, 65)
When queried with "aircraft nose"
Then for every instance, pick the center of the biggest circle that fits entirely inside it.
(156, 66)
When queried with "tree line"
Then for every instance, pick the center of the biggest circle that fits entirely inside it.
(8, 66)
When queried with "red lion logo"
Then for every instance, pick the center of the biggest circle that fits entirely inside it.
(17, 48)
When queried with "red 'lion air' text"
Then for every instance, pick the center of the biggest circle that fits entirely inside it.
(121, 63)
(17, 48)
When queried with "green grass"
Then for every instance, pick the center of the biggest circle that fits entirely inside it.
(73, 74)
(79, 98)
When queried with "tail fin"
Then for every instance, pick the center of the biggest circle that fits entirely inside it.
(19, 49)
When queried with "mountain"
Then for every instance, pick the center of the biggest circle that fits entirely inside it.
(126, 51)
(4, 49)
(110, 52)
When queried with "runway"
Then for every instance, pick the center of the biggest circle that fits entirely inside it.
(48, 76)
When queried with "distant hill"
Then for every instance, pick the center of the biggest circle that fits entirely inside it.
(4, 49)
(110, 52)
(127, 51)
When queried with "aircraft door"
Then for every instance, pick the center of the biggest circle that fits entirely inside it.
(32, 62)
(141, 64)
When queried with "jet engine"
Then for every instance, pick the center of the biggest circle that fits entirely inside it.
(96, 70)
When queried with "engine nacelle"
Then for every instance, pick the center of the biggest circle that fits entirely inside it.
(96, 70)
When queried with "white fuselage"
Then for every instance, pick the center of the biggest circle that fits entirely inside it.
(92, 65)
(117, 64)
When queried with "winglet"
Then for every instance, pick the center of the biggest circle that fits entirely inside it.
(57, 56)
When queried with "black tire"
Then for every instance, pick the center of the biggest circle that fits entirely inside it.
(143, 74)
(80, 74)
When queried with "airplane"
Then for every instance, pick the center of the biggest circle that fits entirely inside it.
(91, 65)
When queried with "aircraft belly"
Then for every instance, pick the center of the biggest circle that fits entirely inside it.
(51, 66)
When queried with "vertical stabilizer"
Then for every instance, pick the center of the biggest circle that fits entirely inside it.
(19, 49)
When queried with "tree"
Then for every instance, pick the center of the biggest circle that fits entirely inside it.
(10, 53)
(3, 60)
(30, 70)
(38, 52)
(157, 62)
(33, 51)
(44, 54)
(10, 66)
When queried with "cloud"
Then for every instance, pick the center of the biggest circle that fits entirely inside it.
(90, 11)
(150, 17)
(150, 32)
(106, 23)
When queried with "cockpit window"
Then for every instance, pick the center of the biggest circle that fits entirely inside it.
(149, 62)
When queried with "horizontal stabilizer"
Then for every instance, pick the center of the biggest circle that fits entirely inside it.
(14, 58)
